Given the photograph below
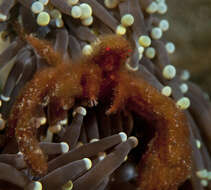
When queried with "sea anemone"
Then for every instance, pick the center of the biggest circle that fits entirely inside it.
(92, 151)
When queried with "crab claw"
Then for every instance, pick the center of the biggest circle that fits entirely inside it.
(92, 102)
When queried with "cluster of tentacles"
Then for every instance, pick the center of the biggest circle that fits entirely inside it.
(126, 84)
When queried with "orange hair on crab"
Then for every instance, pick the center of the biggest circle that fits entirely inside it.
(98, 76)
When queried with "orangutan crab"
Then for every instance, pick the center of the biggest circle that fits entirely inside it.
(99, 77)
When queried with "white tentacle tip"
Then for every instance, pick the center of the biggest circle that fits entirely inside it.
(68, 185)
(80, 110)
(183, 103)
(198, 143)
(134, 140)
(42, 120)
(202, 174)
(184, 88)
(130, 68)
(166, 91)
(3, 17)
(88, 163)
(123, 136)
(5, 98)
(169, 72)
(204, 182)
(64, 147)
(121, 30)
(94, 140)
(36, 185)
(152, 8)
(101, 156)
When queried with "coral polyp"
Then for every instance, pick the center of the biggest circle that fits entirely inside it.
(94, 78)
(86, 74)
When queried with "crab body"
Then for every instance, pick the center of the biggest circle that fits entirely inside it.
(103, 77)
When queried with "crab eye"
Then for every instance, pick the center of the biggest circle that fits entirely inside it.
(108, 49)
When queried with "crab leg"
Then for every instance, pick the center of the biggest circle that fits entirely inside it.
(168, 154)
(41, 91)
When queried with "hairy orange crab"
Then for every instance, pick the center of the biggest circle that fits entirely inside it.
(97, 78)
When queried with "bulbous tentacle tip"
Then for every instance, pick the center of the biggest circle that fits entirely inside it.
(64, 147)
(123, 136)
(131, 68)
(134, 141)
(35, 185)
(79, 110)
(88, 163)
